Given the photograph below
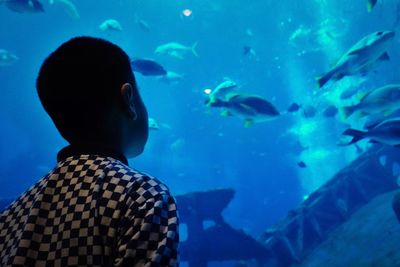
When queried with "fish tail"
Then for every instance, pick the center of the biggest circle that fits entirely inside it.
(324, 79)
(356, 134)
(371, 4)
(194, 46)
(38, 6)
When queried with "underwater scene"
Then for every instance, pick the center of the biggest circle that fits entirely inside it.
(275, 124)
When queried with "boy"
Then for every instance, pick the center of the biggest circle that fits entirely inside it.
(92, 209)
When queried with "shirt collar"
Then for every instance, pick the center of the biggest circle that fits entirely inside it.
(72, 150)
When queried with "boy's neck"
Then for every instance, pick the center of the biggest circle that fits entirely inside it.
(75, 150)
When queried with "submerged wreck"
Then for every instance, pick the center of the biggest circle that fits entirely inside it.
(219, 241)
(356, 212)
(309, 233)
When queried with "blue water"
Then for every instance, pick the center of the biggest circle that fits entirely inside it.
(196, 149)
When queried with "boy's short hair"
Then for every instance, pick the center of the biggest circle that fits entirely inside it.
(80, 82)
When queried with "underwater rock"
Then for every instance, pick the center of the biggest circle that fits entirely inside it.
(219, 242)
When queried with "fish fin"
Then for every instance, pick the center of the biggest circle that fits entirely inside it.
(356, 51)
(322, 80)
(370, 5)
(372, 125)
(384, 57)
(37, 5)
(194, 46)
(248, 123)
(356, 134)
(226, 113)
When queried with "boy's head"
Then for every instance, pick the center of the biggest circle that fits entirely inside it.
(88, 89)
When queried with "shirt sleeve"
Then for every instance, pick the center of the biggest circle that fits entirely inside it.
(149, 236)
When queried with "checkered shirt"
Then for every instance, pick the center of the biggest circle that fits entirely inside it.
(91, 211)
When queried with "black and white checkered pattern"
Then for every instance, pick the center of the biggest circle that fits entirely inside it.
(91, 211)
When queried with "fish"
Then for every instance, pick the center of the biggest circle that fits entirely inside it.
(383, 100)
(222, 89)
(176, 50)
(374, 119)
(301, 164)
(68, 7)
(386, 132)
(248, 51)
(251, 108)
(294, 107)
(111, 25)
(7, 58)
(361, 57)
(309, 111)
(153, 124)
(24, 6)
(147, 67)
(371, 4)
(143, 25)
(330, 111)
(171, 77)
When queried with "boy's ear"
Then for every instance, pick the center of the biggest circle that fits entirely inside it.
(129, 99)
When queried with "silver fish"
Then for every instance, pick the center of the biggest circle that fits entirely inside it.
(384, 100)
(7, 58)
(387, 132)
(251, 108)
(362, 57)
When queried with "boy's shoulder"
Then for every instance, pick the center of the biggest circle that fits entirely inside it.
(121, 178)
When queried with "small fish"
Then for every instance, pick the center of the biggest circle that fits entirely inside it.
(383, 100)
(330, 111)
(223, 89)
(147, 67)
(248, 51)
(361, 57)
(301, 164)
(7, 58)
(153, 124)
(176, 50)
(386, 132)
(24, 6)
(110, 25)
(371, 4)
(309, 111)
(143, 25)
(68, 7)
(294, 107)
(251, 108)
(171, 77)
